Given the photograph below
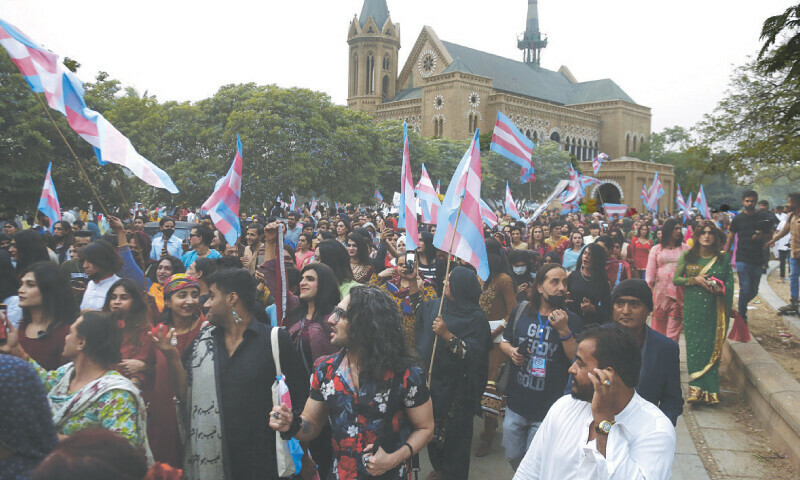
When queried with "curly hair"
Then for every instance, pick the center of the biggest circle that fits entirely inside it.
(376, 333)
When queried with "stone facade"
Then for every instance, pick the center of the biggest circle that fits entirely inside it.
(447, 90)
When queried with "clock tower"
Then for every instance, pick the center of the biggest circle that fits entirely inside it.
(374, 44)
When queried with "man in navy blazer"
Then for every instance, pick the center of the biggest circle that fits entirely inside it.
(660, 375)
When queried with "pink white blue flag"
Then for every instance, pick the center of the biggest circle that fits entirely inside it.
(438, 187)
(689, 205)
(313, 205)
(654, 194)
(428, 200)
(408, 204)
(681, 204)
(643, 195)
(462, 235)
(509, 142)
(702, 204)
(48, 203)
(511, 208)
(586, 182)
(612, 209)
(598, 161)
(575, 191)
(378, 195)
(64, 92)
(487, 215)
(223, 204)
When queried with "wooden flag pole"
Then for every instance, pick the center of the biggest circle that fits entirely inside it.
(80, 164)
(447, 282)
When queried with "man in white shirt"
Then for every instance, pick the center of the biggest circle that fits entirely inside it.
(604, 430)
(167, 243)
(101, 262)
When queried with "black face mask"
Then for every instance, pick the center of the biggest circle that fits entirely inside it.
(556, 301)
(167, 232)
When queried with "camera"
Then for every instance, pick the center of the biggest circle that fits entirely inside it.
(411, 259)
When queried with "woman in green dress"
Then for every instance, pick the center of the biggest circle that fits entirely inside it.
(707, 277)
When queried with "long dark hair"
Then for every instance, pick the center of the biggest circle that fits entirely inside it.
(376, 333)
(31, 248)
(327, 293)
(136, 320)
(430, 250)
(719, 239)
(597, 267)
(536, 297)
(103, 337)
(58, 303)
(333, 254)
(9, 283)
(667, 232)
(362, 248)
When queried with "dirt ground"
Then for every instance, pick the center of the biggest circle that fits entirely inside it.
(772, 334)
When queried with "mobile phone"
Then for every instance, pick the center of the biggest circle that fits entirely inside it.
(3, 324)
(411, 259)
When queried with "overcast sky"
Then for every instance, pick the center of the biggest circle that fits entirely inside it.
(673, 56)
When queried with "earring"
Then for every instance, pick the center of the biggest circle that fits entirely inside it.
(236, 317)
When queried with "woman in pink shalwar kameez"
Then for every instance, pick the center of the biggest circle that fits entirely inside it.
(667, 317)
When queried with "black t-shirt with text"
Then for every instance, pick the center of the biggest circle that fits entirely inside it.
(530, 395)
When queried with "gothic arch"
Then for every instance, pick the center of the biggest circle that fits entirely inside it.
(616, 184)
(370, 73)
(385, 86)
(354, 87)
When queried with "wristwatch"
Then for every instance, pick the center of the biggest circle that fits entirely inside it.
(604, 427)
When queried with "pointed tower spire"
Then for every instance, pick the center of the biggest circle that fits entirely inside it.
(531, 42)
(377, 9)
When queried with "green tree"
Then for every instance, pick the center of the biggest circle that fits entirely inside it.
(780, 54)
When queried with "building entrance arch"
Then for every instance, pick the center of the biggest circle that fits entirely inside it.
(609, 192)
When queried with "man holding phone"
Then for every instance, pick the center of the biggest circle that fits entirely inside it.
(753, 228)
(628, 437)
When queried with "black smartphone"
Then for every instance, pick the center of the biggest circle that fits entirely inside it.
(411, 260)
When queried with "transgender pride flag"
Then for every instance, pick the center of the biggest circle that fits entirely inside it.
(460, 230)
(428, 200)
(48, 203)
(408, 205)
(509, 142)
(488, 216)
(511, 208)
(612, 209)
(223, 204)
(702, 204)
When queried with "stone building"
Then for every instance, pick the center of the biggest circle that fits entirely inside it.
(448, 90)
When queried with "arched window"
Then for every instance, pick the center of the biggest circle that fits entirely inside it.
(387, 62)
(573, 147)
(473, 122)
(354, 87)
(370, 74)
(586, 150)
(566, 144)
(634, 144)
(627, 144)
(385, 87)
(535, 136)
(641, 143)
(555, 137)
(528, 134)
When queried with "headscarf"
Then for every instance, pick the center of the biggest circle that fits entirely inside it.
(465, 320)
(26, 425)
(178, 282)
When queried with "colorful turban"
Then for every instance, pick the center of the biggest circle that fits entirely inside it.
(178, 282)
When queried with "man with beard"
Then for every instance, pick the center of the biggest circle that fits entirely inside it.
(223, 384)
(371, 392)
(604, 429)
(166, 244)
(753, 229)
(101, 262)
(541, 346)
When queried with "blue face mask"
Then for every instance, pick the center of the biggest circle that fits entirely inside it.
(520, 270)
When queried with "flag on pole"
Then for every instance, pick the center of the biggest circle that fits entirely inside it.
(574, 191)
(615, 209)
(509, 142)
(655, 193)
(378, 195)
(511, 209)
(588, 181)
(487, 215)
(462, 235)
(408, 204)
(702, 204)
(314, 204)
(429, 201)
(223, 204)
(682, 204)
(598, 161)
(64, 93)
(438, 187)
(643, 195)
(48, 202)
(293, 202)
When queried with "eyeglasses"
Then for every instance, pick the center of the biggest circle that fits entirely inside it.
(194, 235)
(339, 314)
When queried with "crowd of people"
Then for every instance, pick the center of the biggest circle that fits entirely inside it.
(144, 345)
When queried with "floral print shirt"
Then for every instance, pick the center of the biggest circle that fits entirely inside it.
(115, 410)
(357, 418)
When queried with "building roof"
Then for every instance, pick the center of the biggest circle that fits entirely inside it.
(529, 80)
(407, 94)
(377, 9)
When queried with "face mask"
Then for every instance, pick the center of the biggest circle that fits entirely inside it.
(520, 270)
(556, 301)
(167, 232)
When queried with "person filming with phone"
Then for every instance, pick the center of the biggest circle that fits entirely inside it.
(604, 429)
